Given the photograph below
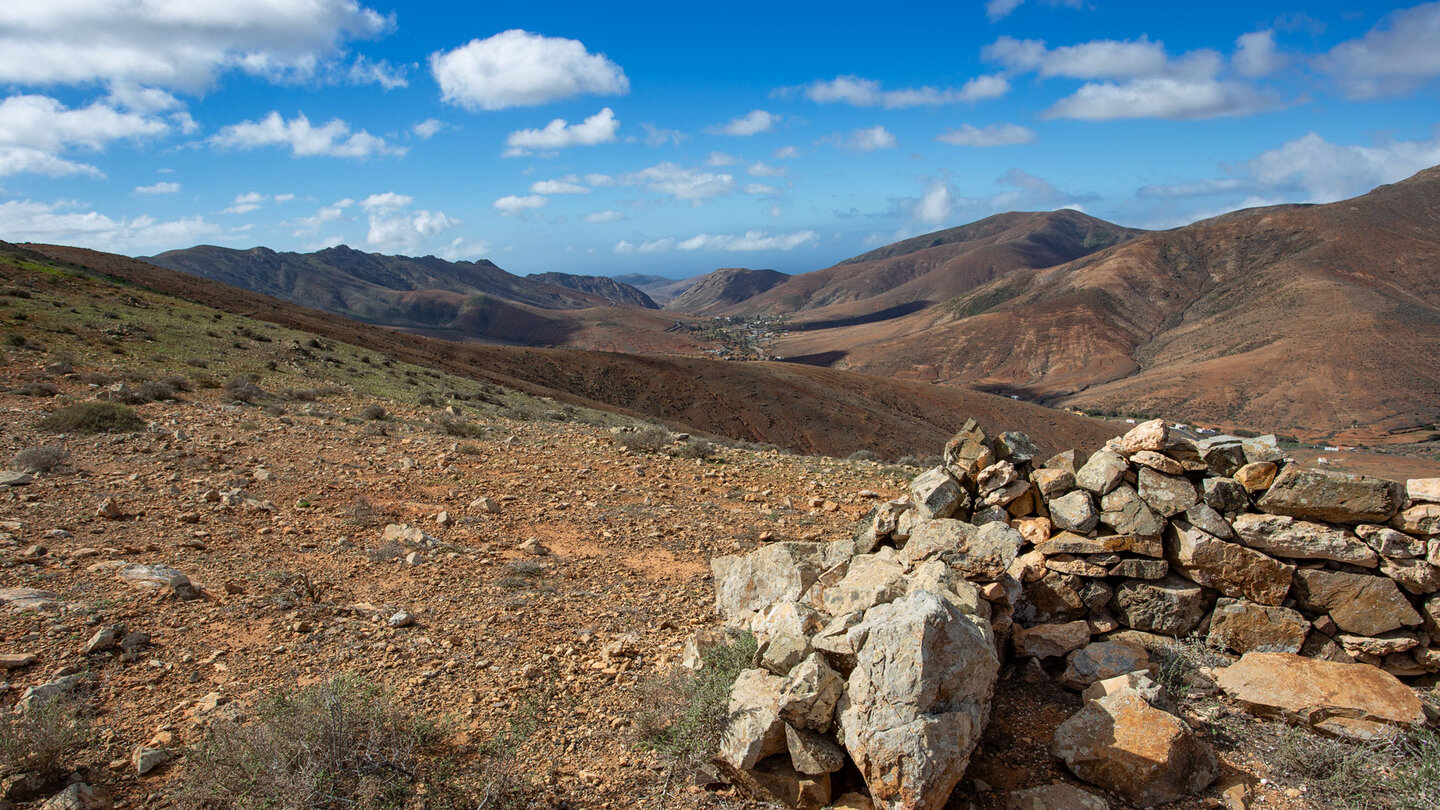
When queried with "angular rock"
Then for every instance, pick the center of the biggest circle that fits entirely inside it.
(1423, 489)
(1123, 510)
(699, 644)
(785, 617)
(1229, 568)
(1050, 640)
(1136, 683)
(950, 585)
(15, 478)
(1054, 597)
(1378, 646)
(1034, 530)
(1137, 568)
(1204, 517)
(1257, 476)
(1074, 512)
(1302, 540)
(1319, 693)
(1143, 755)
(869, 580)
(1066, 564)
(813, 754)
(1358, 603)
(146, 759)
(1152, 436)
(1168, 495)
(1390, 543)
(1423, 519)
(1260, 449)
(9, 661)
(1415, 576)
(1225, 495)
(969, 451)
(1064, 460)
(1068, 543)
(1244, 627)
(1158, 462)
(936, 494)
(43, 693)
(779, 572)
(781, 652)
(978, 553)
(754, 730)
(1171, 606)
(1333, 497)
(1102, 473)
(78, 796)
(918, 699)
(841, 640)
(1053, 483)
(776, 781)
(1223, 455)
(809, 695)
(1016, 447)
(158, 577)
(1054, 796)
(1100, 660)
(104, 639)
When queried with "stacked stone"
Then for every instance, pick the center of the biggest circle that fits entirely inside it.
(1162, 534)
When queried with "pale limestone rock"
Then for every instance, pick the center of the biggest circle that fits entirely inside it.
(1102, 473)
(1302, 540)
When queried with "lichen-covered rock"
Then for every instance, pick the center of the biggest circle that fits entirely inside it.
(1225, 495)
(1102, 473)
(1102, 659)
(810, 693)
(1123, 510)
(978, 553)
(1242, 627)
(1285, 536)
(969, 451)
(1229, 568)
(917, 700)
(1172, 606)
(779, 572)
(1074, 512)
(936, 494)
(1050, 640)
(1390, 543)
(1144, 755)
(1420, 519)
(1151, 436)
(1333, 497)
(1168, 495)
(754, 730)
(869, 580)
(1359, 603)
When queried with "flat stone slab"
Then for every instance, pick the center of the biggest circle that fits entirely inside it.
(1311, 691)
(1333, 497)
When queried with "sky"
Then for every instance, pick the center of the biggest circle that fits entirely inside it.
(675, 138)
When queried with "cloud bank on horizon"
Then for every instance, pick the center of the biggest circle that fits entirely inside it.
(668, 141)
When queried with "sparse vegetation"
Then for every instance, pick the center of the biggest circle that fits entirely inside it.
(373, 412)
(93, 417)
(693, 448)
(42, 739)
(41, 459)
(457, 427)
(862, 455)
(243, 389)
(682, 713)
(648, 439)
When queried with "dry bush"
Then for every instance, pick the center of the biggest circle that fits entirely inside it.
(245, 390)
(694, 448)
(93, 417)
(40, 741)
(41, 459)
(373, 412)
(453, 426)
(649, 439)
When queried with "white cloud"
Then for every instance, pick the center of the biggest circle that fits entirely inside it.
(992, 135)
(395, 228)
(1325, 172)
(787, 153)
(760, 169)
(519, 69)
(679, 182)
(603, 216)
(245, 203)
(17, 160)
(1101, 59)
(175, 45)
(566, 185)
(761, 190)
(934, 204)
(941, 201)
(775, 212)
(1256, 55)
(388, 76)
(462, 249)
(559, 133)
(66, 224)
(1161, 97)
(655, 136)
(425, 130)
(718, 159)
(1396, 56)
(751, 123)
(333, 139)
(159, 188)
(865, 140)
(510, 205)
(656, 246)
(997, 9)
(43, 123)
(749, 241)
(306, 226)
(860, 92)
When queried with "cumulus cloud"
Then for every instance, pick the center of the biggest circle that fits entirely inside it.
(761, 169)
(397, 229)
(36, 130)
(185, 46)
(603, 216)
(565, 185)
(462, 249)
(860, 92)
(864, 140)
(511, 205)
(1256, 54)
(69, 224)
(519, 69)
(751, 123)
(1180, 99)
(332, 139)
(308, 226)
(366, 71)
(934, 204)
(1396, 56)
(693, 185)
(559, 133)
(19, 160)
(425, 130)
(992, 135)
(656, 246)
(941, 201)
(161, 187)
(245, 203)
(997, 10)
(749, 241)
(1101, 59)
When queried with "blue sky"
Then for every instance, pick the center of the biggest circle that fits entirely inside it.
(675, 138)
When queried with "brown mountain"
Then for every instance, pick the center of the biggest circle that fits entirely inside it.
(459, 300)
(661, 289)
(814, 410)
(912, 274)
(1303, 318)
(714, 293)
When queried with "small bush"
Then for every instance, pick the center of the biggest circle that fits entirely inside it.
(41, 459)
(649, 439)
(459, 428)
(373, 412)
(93, 417)
(245, 390)
(683, 713)
(341, 744)
(361, 512)
(38, 389)
(694, 448)
(468, 449)
(41, 740)
(96, 378)
(862, 455)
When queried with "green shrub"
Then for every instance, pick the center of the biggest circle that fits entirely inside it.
(93, 417)
(683, 713)
(694, 448)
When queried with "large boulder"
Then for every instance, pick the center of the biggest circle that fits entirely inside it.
(869, 580)
(779, 572)
(1333, 497)
(917, 700)
(1245, 627)
(1359, 603)
(1229, 568)
(1346, 699)
(978, 553)
(1285, 536)
(1143, 755)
